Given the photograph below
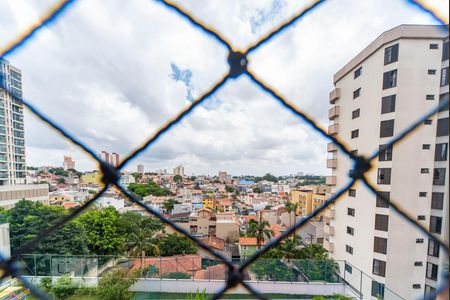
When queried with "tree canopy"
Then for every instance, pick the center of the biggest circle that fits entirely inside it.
(149, 188)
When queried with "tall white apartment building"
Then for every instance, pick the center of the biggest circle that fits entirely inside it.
(386, 87)
(179, 170)
(12, 138)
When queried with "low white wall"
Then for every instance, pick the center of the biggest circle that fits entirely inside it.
(188, 285)
(183, 286)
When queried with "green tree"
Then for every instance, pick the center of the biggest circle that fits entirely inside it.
(115, 285)
(229, 189)
(271, 269)
(168, 205)
(260, 230)
(103, 233)
(28, 218)
(149, 188)
(174, 244)
(257, 190)
(177, 178)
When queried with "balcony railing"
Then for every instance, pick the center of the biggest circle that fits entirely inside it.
(329, 230)
(330, 180)
(333, 129)
(330, 214)
(331, 147)
(334, 112)
(332, 163)
(334, 95)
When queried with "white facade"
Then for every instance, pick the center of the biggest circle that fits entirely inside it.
(5, 244)
(403, 64)
(12, 138)
(11, 194)
(179, 170)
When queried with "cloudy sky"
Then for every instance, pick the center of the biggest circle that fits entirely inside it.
(112, 72)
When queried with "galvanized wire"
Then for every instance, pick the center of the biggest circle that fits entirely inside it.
(238, 61)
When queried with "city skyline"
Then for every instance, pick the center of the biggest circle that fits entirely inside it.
(230, 131)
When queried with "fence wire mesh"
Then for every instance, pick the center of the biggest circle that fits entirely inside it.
(238, 66)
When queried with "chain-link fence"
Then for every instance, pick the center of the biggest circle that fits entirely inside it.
(238, 66)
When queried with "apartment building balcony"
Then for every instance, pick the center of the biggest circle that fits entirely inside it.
(330, 214)
(332, 163)
(330, 180)
(331, 147)
(333, 129)
(334, 95)
(334, 112)
(329, 230)
(329, 246)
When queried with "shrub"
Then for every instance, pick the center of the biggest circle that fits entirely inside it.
(63, 288)
(46, 284)
(177, 275)
(115, 285)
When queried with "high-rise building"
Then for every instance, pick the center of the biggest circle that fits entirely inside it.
(68, 163)
(105, 156)
(179, 170)
(390, 84)
(140, 169)
(224, 177)
(12, 138)
(111, 158)
(378, 94)
(115, 159)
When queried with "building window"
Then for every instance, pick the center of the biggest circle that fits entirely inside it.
(354, 152)
(417, 286)
(350, 230)
(391, 54)
(384, 176)
(426, 146)
(355, 113)
(440, 152)
(437, 201)
(430, 97)
(445, 51)
(381, 202)
(357, 72)
(348, 249)
(425, 171)
(421, 218)
(386, 154)
(388, 104)
(379, 267)
(434, 46)
(428, 122)
(432, 271)
(443, 98)
(418, 264)
(355, 133)
(381, 222)
(431, 72)
(389, 79)
(350, 211)
(352, 193)
(356, 93)
(429, 290)
(433, 248)
(377, 289)
(419, 241)
(422, 194)
(444, 76)
(435, 224)
(439, 176)
(348, 268)
(380, 245)
(387, 128)
(442, 127)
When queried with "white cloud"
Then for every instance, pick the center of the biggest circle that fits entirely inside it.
(103, 71)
